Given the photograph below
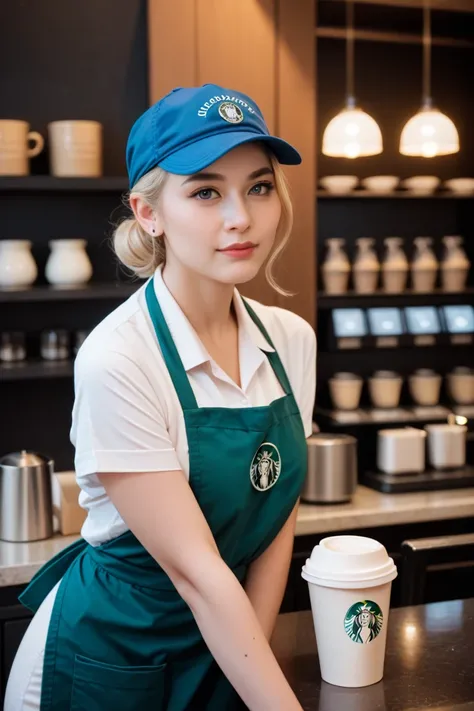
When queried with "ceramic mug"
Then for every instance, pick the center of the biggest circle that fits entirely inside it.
(385, 388)
(461, 385)
(345, 390)
(75, 148)
(15, 151)
(425, 385)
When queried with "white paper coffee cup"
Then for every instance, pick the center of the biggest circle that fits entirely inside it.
(350, 579)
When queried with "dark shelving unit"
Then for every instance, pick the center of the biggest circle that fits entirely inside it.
(407, 298)
(35, 370)
(363, 35)
(395, 195)
(49, 184)
(89, 292)
(54, 83)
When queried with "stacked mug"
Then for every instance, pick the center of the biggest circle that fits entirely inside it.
(75, 148)
(385, 387)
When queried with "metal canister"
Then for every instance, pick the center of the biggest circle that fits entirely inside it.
(26, 509)
(332, 468)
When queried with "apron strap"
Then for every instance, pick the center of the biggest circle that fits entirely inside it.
(170, 352)
(174, 363)
(274, 358)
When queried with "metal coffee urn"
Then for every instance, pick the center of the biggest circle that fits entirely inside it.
(26, 510)
(332, 469)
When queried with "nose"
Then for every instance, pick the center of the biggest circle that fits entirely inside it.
(236, 214)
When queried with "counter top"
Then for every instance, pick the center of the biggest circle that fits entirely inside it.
(368, 508)
(20, 561)
(429, 662)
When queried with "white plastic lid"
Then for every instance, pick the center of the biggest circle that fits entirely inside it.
(349, 562)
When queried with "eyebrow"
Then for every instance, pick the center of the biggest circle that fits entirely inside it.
(204, 175)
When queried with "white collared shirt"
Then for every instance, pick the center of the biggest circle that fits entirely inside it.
(127, 416)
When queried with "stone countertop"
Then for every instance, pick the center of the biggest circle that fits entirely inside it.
(368, 509)
(428, 663)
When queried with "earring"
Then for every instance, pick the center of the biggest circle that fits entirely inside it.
(153, 230)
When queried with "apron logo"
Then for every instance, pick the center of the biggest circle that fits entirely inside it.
(230, 112)
(363, 621)
(266, 467)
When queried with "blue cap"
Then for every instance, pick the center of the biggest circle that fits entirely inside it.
(191, 128)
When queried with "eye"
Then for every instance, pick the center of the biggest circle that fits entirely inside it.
(262, 188)
(205, 194)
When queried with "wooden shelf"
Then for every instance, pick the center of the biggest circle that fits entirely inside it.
(449, 5)
(34, 370)
(340, 33)
(50, 184)
(89, 292)
(380, 298)
(396, 195)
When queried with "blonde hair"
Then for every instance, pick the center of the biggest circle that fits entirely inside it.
(143, 253)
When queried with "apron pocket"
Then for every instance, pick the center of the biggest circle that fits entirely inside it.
(98, 686)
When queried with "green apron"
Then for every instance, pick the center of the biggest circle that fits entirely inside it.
(120, 636)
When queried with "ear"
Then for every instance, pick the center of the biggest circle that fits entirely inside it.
(145, 215)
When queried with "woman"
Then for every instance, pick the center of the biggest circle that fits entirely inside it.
(190, 444)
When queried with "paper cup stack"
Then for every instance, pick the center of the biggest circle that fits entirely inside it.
(350, 579)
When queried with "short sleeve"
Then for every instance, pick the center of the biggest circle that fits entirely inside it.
(118, 424)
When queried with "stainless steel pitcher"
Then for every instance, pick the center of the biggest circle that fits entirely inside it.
(26, 510)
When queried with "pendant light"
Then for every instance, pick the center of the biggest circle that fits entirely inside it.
(352, 133)
(428, 133)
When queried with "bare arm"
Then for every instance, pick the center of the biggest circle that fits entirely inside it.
(162, 512)
(268, 575)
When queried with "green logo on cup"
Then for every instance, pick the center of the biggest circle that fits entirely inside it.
(363, 621)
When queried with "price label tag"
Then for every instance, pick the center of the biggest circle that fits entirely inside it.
(386, 342)
(349, 343)
(424, 340)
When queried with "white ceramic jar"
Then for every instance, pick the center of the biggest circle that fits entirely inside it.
(366, 266)
(394, 266)
(424, 266)
(455, 264)
(17, 265)
(68, 263)
(336, 267)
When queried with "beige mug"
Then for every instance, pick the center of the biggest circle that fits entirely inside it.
(425, 385)
(75, 149)
(345, 390)
(385, 388)
(461, 385)
(15, 152)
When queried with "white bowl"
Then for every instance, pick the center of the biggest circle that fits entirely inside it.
(422, 184)
(339, 184)
(381, 184)
(462, 186)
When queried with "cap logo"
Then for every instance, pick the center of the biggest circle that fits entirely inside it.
(230, 112)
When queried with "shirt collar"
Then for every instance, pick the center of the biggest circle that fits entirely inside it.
(190, 348)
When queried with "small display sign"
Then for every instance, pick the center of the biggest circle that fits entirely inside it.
(349, 323)
(385, 322)
(459, 319)
(422, 320)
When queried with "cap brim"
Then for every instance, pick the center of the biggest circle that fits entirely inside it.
(199, 155)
